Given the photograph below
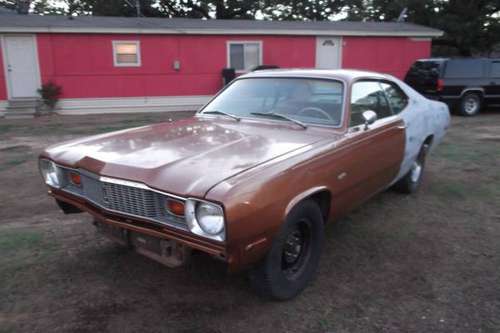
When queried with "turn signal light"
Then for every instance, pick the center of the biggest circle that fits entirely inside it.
(75, 178)
(175, 207)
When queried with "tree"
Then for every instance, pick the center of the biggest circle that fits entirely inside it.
(471, 27)
(298, 10)
(21, 6)
(219, 9)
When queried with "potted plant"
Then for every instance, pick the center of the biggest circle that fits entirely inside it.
(50, 93)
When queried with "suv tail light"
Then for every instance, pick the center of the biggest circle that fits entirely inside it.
(440, 85)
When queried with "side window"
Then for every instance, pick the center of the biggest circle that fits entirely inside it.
(243, 56)
(467, 68)
(368, 95)
(495, 69)
(397, 98)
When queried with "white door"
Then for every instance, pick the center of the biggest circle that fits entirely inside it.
(23, 76)
(328, 52)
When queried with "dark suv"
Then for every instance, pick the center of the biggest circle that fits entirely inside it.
(466, 85)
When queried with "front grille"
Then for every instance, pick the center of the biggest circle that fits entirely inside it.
(123, 197)
(130, 200)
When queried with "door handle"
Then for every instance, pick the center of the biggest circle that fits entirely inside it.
(402, 127)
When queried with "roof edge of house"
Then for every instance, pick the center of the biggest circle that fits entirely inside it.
(305, 32)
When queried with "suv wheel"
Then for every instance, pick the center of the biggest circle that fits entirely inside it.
(470, 104)
(292, 261)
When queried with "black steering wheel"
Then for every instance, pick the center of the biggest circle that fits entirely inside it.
(322, 112)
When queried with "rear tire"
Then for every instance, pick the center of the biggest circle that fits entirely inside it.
(412, 180)
(294, 256)
(470, 104)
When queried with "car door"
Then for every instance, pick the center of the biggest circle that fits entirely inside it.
(373, 153)
(415, 129)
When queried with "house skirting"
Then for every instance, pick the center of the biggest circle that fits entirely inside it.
(78, 106)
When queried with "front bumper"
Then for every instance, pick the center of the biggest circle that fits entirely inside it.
(137, 225)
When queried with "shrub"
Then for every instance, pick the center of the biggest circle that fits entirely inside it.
(50, 93)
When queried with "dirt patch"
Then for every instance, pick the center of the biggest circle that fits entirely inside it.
(423, 263)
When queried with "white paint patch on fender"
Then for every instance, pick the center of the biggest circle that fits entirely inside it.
(422, 118)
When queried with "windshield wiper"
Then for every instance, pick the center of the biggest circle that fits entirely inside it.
(223, 113)
(281, 116)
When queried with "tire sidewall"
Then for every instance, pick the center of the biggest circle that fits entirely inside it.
(406, 185)
(282, 288)
(466, 97)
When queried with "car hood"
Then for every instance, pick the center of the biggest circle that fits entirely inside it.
(186, 157)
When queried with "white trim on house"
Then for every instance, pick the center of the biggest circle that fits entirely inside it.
(5, 60)
(78, 106)
(115, 54)
(305, 32)
(244, 42)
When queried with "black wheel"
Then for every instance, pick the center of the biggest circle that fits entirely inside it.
(411, 181)
(294, 256)
(470, 105)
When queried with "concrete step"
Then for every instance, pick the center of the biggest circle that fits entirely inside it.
(22, 108)
(24, 103)
(16, 113)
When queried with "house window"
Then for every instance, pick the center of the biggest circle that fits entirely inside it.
(126, 53)
(243, 56)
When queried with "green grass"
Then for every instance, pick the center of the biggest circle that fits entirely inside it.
(14, 241)
(470, 152)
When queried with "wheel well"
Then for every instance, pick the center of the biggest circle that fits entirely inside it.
(429, 140)
(323, 199)
(480, 92)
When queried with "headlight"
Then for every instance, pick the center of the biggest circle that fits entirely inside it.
(50, 173)
(205, 219)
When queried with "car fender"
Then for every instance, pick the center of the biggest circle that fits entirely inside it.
(301, 196)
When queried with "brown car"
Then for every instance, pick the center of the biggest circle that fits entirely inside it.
(254, 176)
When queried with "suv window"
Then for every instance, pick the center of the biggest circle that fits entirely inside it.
(495, 69)
(424, 74)
(397, 98)
(464, 68)
(368, 95)
(425, 68)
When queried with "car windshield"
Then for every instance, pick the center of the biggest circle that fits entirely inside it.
(305, 101)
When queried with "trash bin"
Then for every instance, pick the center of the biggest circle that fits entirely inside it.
(262, 67)
(228, 75)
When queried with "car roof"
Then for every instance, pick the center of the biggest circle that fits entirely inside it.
(346, 75)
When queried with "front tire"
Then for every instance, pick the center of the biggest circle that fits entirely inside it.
(470, 105)
(294, 256)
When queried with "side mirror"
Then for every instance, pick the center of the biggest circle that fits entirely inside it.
(370, 117)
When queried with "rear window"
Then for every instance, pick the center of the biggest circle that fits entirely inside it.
(464, 68)
(425, 68)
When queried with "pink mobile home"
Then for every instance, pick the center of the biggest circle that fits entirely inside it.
(112, 64)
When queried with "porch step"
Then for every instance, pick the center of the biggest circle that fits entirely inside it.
(22, 108)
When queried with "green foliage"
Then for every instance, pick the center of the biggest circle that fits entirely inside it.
(471, 27)
(50, 93)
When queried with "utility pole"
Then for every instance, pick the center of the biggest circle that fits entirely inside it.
(402, 15)
(138, 8)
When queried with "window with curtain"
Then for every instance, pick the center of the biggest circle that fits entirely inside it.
(126, 53)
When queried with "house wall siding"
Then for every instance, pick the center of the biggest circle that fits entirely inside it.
(390, 55)
(83, 64)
